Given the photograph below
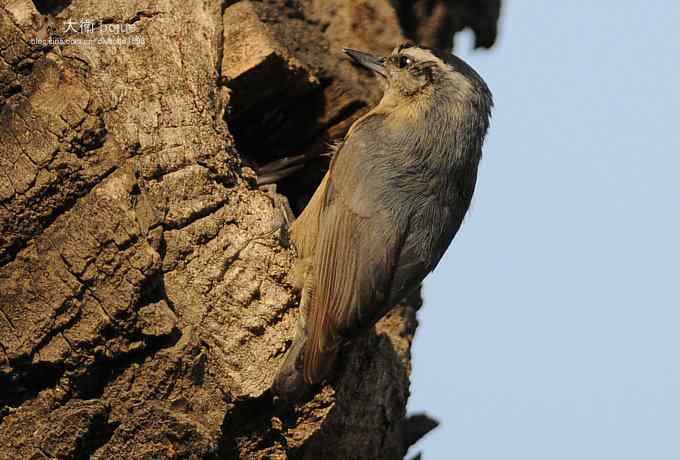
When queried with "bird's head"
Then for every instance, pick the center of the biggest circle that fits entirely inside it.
(410, 71)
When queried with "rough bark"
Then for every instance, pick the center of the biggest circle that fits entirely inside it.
(144, 299)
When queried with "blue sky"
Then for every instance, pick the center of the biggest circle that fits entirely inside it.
(551, 328)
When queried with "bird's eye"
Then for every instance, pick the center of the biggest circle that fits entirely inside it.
(404, 61)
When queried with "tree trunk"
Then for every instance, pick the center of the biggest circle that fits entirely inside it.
(144, 296)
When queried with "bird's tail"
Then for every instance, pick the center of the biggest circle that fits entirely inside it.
(289, 383)
(293, 380)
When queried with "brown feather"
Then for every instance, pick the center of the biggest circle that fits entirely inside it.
(395, 195)
(352, 263)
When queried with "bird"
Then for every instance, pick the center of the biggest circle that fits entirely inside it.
(396, 192)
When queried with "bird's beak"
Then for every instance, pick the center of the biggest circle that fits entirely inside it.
(371, 62)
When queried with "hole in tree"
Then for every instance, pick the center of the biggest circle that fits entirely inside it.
(51, 7)
(285, 126)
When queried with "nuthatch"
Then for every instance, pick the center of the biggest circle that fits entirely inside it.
(396, 192)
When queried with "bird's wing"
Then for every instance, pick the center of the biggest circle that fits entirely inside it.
(357, 249)
(305, 229)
